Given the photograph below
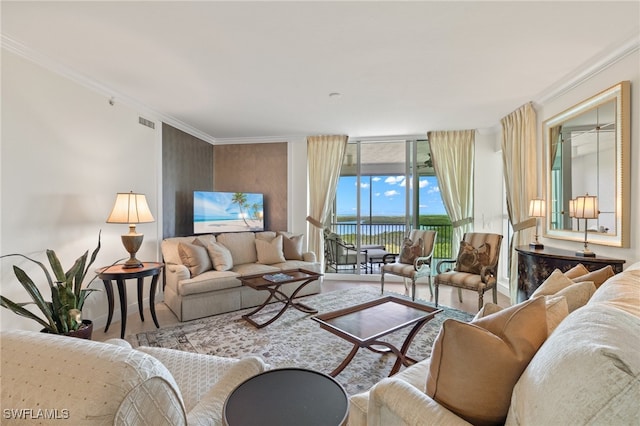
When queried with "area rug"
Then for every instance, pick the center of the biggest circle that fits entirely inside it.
(295, 340)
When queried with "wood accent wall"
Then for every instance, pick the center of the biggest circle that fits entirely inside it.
(260, 167)
(187, 166)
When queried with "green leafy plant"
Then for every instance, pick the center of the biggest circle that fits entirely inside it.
(64, 312)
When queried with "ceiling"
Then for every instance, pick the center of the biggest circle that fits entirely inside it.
(267, 69)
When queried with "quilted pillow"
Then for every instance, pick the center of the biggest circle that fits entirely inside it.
(194, 257)
(270, 252)
(471, 259)
(220, 256)
(411, 250)
(475, 366)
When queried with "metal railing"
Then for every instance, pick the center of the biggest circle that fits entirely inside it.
(391, 235)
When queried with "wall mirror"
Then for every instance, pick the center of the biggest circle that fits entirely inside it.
(587, 152)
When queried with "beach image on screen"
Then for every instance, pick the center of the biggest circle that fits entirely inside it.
(215, 212)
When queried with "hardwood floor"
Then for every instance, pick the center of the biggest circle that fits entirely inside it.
(448, 297)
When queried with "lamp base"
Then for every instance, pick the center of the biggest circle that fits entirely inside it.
(585, 253)
(132, 242)
(536, 245)
(132, 263)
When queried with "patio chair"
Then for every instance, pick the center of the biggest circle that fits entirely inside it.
(414, 261)
(475, 268)
(338, 253)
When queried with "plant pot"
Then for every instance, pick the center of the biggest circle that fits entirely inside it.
(84, 332)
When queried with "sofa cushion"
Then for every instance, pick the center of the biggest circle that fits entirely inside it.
(556, 308)
(597, 277)
(472, 259)
(195, 257)
(253, 269)
(621, 291)
(270, 252)
(576, 271)
(241, 245)
(585, 373)
(292, 246)
(474, 366)
(553, 284)
(209, 281)
(410, 250)
(577, 295)
(220, 256)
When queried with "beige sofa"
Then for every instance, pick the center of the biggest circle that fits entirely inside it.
(53, 379)
(201, 272)
(586, 372)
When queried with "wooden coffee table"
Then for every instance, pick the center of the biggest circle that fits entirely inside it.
(365, 324)
(260, 282)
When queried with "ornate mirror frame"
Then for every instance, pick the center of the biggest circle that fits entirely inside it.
(558, 223)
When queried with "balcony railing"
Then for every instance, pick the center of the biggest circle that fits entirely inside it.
(391, 235)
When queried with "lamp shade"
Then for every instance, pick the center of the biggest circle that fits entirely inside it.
(537, 208)
(130, 208)
(586, 207)
(572, 207)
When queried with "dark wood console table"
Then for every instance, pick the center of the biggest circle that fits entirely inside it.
(534, 266)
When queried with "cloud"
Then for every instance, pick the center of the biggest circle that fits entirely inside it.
(362, 184)
(434, 190)
(422, 183)
(376, 179)
(391, 193)
(393, 180)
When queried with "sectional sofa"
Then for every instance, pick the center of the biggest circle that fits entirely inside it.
(201, 272)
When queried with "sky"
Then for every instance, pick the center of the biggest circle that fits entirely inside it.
(387, 195)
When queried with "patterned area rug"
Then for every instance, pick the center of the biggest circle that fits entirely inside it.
(294, 340)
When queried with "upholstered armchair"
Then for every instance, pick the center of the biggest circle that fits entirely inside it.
(339, 253)
(96, 383)
(475, 268)
(414, 261)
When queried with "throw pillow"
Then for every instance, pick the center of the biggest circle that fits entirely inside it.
(577, 294)
(194, 257)
(553, 284)
(220, 256)
(270, 252)
(411, 250)
(471, 259)
(597, 277)
(292, 246)
(475, 366)
(576, 271)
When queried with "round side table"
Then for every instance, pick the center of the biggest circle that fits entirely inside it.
(120, 274)
(287, 396)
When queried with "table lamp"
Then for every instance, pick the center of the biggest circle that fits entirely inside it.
(131, 208)
(536, 209)
(586, 207)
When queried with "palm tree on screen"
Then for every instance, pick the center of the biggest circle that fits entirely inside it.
(240, 199)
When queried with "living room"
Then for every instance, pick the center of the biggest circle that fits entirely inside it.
(70, 142)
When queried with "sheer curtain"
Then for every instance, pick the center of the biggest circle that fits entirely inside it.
(519, 155)
(324, 159)
(453, 160)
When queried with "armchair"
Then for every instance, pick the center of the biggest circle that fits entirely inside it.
(414, 261)
(111, 383)
(339, 253)
(475, 268)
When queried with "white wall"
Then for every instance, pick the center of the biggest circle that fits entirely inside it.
(65, 153)
(626, 69)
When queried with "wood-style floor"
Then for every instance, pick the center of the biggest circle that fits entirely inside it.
(448, 297)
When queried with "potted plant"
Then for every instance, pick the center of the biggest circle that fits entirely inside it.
(63, 314)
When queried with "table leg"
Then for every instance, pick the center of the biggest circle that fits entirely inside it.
(152, 299)
(108, 287)
(346, 361)
(281, 297)
(140, 289)
(122, 291)
(402, 358)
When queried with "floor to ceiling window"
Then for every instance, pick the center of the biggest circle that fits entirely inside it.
(385, 189)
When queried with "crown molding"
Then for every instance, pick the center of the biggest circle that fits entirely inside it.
(14, 46)
(591, 68)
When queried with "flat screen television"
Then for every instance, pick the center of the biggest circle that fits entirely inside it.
(215, 212)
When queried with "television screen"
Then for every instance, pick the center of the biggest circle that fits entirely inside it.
(215, 212)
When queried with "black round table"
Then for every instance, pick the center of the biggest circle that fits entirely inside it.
(287, 396)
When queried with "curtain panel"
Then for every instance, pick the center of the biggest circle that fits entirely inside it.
(519, 155)
(453, 155)
(325, 155)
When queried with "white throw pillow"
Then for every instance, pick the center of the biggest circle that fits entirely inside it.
(270, 252)
(220, 256)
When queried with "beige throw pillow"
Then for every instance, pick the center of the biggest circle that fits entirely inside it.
(292, 246)
(577, 294)
(270, 252)
(411, 250)
(194, 257)
(597, 277)
(474, 366)
(576, 271)
(220, 256)
(553, 284)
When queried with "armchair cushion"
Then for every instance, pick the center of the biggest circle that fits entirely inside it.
(475, 366)
(472, 259)
(411, 250)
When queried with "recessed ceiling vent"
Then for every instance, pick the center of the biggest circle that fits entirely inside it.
(146, 122)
